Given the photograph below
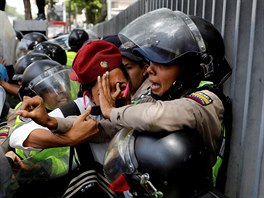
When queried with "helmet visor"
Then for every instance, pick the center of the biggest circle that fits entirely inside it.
(163, 35)
(55, 87)
(119, 158)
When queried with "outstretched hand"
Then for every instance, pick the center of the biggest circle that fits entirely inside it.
(34, 108)
(107, 100)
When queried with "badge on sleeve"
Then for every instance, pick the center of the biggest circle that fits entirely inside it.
(200, 97)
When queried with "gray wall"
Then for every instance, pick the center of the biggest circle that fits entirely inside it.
(241, 23)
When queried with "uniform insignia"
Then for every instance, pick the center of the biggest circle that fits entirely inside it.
(4, 131)
(200, 97)
(104, 64)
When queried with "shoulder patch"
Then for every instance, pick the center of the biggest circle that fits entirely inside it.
(4, 131)
(200, 97)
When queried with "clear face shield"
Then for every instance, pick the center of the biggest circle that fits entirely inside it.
(120, 165)
(62, 41)
(55, 87)
(120, 158)
(163, 35)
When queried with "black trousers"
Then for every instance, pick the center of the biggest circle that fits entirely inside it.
(41, 6)
(2, 5)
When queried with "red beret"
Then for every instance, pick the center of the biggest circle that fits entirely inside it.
(94, 59)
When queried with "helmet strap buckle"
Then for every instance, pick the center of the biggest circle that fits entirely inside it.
(207, 65)
(149, 187)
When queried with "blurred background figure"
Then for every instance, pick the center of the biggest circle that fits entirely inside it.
(76, 39)
(41, 9)
(2, 5)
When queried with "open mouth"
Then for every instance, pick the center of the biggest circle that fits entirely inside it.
(154, 86)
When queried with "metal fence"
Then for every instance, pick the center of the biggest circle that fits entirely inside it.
(241, 23)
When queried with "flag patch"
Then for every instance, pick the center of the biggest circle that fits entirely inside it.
(200, 97)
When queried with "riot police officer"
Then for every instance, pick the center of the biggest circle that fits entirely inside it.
(187, 68)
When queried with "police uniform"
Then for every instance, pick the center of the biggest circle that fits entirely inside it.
(142, 94)
(6, 129)
(202, 110)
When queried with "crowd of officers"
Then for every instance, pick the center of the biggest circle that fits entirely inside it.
(145, 112)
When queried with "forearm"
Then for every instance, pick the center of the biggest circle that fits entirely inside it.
(42, 138)
(10, 88)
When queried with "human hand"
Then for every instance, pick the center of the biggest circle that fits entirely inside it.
(107, 101)
(34, 108)
(83, 128)
(17, 161)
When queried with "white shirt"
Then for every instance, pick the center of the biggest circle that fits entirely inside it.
(20, 134)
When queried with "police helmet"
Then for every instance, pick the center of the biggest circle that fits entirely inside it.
(24, 61)
(172, 37)
(77, 38)
(30, 40)
(62, 40)
(53, 50)
(50, 80)
(166, 164)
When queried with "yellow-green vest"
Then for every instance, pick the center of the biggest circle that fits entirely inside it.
(70, 57)
(55, 161)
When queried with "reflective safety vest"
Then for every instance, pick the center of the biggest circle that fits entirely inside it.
(51, 162)
(219, 160)
(70, 57)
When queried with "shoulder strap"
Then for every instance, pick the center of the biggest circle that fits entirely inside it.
(70, 108)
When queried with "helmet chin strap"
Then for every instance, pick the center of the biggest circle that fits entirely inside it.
(174, 92)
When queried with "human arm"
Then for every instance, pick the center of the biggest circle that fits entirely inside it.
(34, 108)
(82, 129)
(9, 87)
(172, 116)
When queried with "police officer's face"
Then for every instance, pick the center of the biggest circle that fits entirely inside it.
(135, 72)
(115, 76)
(162, 77)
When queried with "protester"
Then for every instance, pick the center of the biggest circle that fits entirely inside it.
(41, 9)
(2, 5)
